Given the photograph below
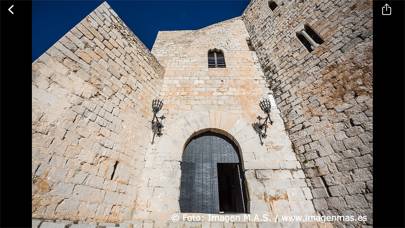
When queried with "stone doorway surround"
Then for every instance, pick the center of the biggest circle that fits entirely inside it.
(275, 181)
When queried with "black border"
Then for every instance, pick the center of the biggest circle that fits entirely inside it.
(15, 95)
(389, 115)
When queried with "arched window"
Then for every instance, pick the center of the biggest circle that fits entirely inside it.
(272, 5)
(309, 38)
(216, 59)
(212, 179)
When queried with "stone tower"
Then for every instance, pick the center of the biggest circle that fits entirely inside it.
(93, 160)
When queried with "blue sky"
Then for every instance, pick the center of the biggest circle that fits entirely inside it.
(53, 18)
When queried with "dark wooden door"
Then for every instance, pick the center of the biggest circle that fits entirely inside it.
(199, 190)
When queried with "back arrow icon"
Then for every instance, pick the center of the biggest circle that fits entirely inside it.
(9, 9)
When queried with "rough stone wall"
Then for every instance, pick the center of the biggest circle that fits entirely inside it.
(325, 96)
(91, 96)
(225, 100)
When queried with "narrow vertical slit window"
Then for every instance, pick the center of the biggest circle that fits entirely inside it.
(220, 59)
(272, 5)
(304, 41)
(249, 43)
(314, 36)
(115, 167)
(211, 59)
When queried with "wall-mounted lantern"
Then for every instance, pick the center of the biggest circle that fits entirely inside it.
(261, 126)
(157, 125)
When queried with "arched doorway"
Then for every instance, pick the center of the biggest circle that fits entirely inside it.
(212, 178)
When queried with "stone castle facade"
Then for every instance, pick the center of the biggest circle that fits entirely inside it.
(92, 158)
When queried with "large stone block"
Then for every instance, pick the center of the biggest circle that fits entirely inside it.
(356, 187)
(83, 226)
(356, 201)
(337, 203)
(36, 223)
(52, 225)
(87, 193)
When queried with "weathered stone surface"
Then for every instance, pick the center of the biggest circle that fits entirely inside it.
(346, 165)
(337, 203)
(357, 201)
(338, 190)
(83, 226)
(320, 204)
(357, 187)
(324, 89)
(73, 100)
(52, 225)
(36, 223)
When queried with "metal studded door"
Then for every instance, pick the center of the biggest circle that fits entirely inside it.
(199, 173)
